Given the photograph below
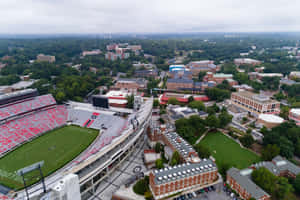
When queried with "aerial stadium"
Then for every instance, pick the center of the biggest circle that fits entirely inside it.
(84, 141)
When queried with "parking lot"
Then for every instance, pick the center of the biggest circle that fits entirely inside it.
(210, 193)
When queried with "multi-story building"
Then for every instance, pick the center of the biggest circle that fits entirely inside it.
(219, 78)
(241, 181)
(294, 114)
(244, 186)
(146, 73)
(180, 74)
(202, 66)
(185, 84)
(114, 56)
(179, 83)
(91, 53)
(45, 58)
(182, 98)
(183, 177)
(255, 103)
(256, 75)
(111, 47)
(131, 85)
(246, 61)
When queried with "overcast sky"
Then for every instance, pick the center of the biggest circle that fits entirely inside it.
(147, 16)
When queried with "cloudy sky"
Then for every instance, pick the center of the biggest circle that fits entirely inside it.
(147, 16)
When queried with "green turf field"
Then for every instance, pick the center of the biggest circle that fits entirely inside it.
(226, 150)
(55, 148)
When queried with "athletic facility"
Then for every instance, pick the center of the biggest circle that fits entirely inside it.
(75, 138)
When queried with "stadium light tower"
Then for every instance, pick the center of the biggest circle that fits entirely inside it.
(30, 168)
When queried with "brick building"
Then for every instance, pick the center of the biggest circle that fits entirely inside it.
(131, 85)
(219, 78)
(244, 186)
(45, 58)
(180, 74)
(184, 84)
(202, 66)
(241, 181)
(179, 83)
(114, 56)
(146, 73)
(255, 103)
(179, 178)
(91, 53)
(182, 98)
(246, 61)
(260, 76)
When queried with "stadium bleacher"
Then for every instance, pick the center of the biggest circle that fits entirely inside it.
(15, 132)
(110, 127)
(28, 105)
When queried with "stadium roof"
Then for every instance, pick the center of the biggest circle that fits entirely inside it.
(17, 93)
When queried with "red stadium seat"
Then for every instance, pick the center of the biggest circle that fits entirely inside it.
(17, 131)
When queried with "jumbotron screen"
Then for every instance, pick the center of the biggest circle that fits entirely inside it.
(100, 101)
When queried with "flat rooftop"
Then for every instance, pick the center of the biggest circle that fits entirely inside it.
(183, 170)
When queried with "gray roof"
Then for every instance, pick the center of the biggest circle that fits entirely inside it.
(177, 172)
(183, 147)
(202, 113)
(17, 93)
(136, 80)
(268, 165)
(278, 165)
(179, 80)
(246, 183)
(285, 165)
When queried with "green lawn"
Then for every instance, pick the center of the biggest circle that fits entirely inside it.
(226, 150)
(55, 148)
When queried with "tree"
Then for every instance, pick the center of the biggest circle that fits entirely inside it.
(175, 160)
(130, 101)
(158, 147)
(246, 140)
(212, 121)
(224, 118)
(270, 151)
(297, 184)
(202, 151)
(223, 168)
(190, 99)
(201, 75)
(60, 97)
(283, 188)
(264, 179)
(199, 105)
(284, 112)
(278, 187)
(155, 103)
(217, 94)
(286, 147)
(173, 101)
(141, 186)
(159, 164)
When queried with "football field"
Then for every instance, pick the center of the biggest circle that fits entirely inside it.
(56, 148)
